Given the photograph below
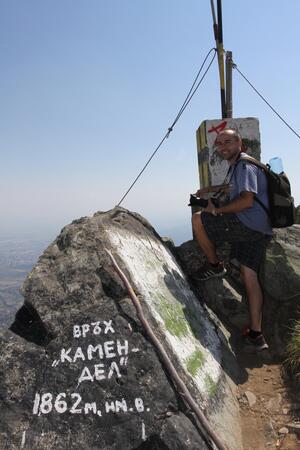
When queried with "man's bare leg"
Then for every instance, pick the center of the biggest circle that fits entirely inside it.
(204, 242)
(254, 295)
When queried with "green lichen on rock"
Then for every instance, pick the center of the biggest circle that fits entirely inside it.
(195, 362)
(173, 317)
(210, 385)
(193, 321)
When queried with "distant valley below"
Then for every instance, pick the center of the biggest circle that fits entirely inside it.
(17, 257)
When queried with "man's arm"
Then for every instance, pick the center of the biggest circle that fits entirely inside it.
(243, 201)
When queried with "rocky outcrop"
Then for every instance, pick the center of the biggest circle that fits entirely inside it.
(280, 278)
(281, 271)
(297, 215)
(79, 372)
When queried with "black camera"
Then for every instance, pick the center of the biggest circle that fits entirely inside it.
(202, 202)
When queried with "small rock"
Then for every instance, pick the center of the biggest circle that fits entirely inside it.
(269, 430)
(251, 398)
(283, 430)
(274, 403)
(285, 410)
(287, 406)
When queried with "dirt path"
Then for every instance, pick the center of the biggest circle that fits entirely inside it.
(267, 405)
(268, 400)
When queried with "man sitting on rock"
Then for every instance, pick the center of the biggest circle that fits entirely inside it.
(243, 222)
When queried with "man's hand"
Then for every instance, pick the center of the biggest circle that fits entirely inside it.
(210, 207)
(243, 201)
(201, 192)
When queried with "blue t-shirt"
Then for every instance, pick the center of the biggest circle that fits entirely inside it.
(250, 178)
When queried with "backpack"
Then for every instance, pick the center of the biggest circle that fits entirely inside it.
(281, 204)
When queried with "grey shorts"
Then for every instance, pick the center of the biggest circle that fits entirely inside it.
(247, 246)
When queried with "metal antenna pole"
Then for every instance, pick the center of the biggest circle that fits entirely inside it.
(229, 84)
(221, 57)
(218, 33)
(214, 20)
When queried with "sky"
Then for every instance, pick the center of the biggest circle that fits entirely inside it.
(89, 88)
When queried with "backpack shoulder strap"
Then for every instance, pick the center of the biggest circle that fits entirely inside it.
(265, 168)
(254, 161)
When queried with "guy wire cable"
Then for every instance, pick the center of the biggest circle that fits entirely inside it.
(262, 97)
(187, 100)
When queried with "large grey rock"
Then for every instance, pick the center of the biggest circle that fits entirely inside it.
(280, 277)
(297, 215)
(281, 272)
(77, 369)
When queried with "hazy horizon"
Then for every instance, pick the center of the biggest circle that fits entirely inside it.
(179, 232)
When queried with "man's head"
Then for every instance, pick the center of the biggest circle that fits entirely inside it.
(229, 144)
